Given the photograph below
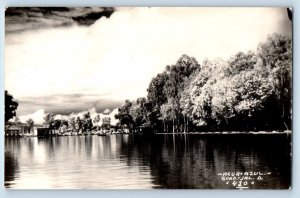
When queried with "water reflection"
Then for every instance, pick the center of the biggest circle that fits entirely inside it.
(128, 161)
(11, 169)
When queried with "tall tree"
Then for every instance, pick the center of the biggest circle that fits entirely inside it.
(106, 122)
(175, 84)
(168, 114)
(48, 120)
(97, 120)
(226, 94)
(78, 124)
(87, 122)
(10, 106)
(72, 124)
(123, 114)
(138, 113)
(30, 124)
(56, 124)
(155, 90)
(276, 55)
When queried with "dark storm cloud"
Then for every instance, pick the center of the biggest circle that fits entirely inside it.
(24, 18)
(65, 104)
(90, 17)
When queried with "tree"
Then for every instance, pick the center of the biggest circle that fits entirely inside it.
(168, 86)
(17, 120)
(223, 86)
(11, 106)
(176, 81)
(106, 122)
(186, 107)
(96, 121)
(78, 124)
(56, 124)
(276, 56)
(48, 120)
(123, 114)
(72, 124)
(155, 91)
(196, 98)
(202, 109)
(249, 91)
(138, 112)
(30, 124)
(63, 125)
(87, 122)
(240, 62)
(167, 114)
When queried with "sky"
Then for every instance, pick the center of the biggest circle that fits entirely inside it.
(74, 59)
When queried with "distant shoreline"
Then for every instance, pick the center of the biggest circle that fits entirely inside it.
(288, 132)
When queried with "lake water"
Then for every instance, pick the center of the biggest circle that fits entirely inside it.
(158, 161)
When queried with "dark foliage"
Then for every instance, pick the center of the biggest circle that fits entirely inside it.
(10, 106)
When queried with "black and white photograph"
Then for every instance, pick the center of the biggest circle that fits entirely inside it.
(148, 98)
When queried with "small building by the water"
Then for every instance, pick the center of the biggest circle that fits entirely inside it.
(14, 130)
(44, 132)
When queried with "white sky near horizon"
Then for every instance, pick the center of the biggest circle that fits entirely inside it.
(116, 57)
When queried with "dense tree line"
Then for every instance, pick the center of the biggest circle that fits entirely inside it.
(76, 124)
(71, 124)
(249, 91)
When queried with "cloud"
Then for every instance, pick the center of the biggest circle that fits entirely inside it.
(118, 56)
(66, 103)
(38, 116)
(18, 19)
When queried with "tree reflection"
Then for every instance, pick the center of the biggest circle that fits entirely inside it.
(195, 161)
(162, 161)
(11, 168)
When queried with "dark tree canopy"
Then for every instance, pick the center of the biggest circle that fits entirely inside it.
(11, 106)
(87, 123)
